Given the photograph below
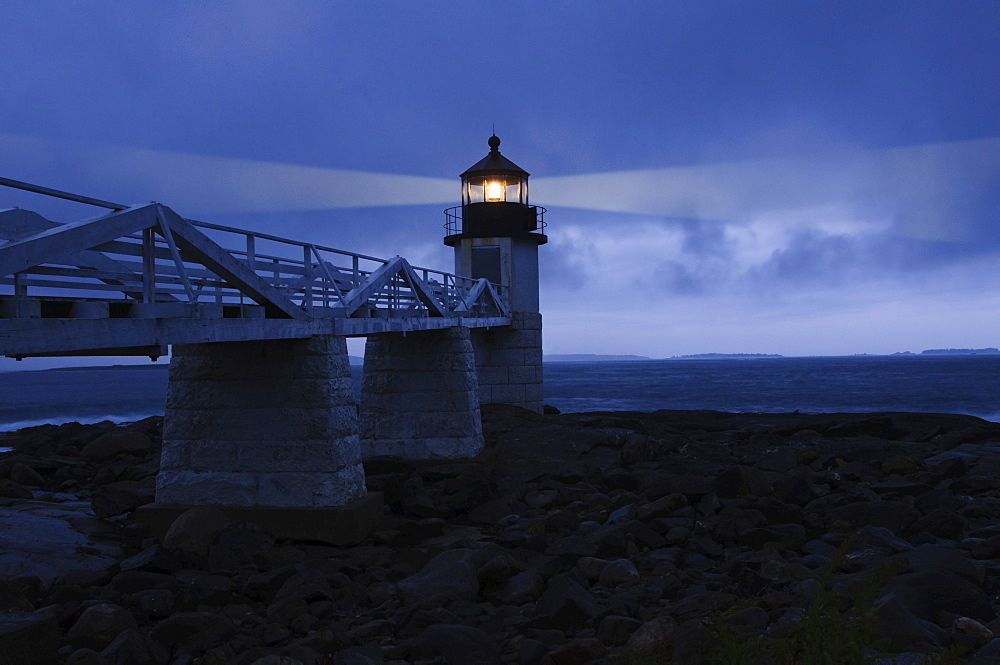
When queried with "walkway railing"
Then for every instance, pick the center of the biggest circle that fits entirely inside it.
(168, 261)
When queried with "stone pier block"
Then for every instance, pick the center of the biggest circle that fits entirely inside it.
(263, 423)
(419, 397)
(509, 362)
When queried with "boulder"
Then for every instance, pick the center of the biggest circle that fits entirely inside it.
(28, 638)
(616, 630)
(308, 585)
(926, 594)
(194, 531)
(455, 645)
(25, 475)
(99, 625)
(575, 652)
(449, 576)
(618, 573)
(121, 497)
(11, 490)
(116, 442)
(654, 633)
(131, 647)
(896, 516)
(566, 604)
(193, 631)
(522, 588)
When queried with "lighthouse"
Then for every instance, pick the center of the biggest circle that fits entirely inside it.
(496, 233)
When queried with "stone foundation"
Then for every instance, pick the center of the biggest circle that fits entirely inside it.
(509, 362)
(419, 397)
(264, 423)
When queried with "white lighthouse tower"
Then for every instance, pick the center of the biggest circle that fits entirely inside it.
(496, 233)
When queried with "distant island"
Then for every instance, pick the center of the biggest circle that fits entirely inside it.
(589, 357)
(960, 352)
(723, 356)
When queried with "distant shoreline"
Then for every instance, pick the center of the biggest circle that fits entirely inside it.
(357, 361)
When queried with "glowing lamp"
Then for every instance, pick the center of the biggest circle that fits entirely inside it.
(494, 191)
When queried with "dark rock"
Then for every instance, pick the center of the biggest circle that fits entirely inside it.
(561, 521)
(988, 549)
(265, 585)
(450, 575)
(194, 531)
(25, 475)
(28, 639)
(797, 489)
(752, 617)
(116, 442)
(121, 497)
(532, 652)
(740, 481)
(308, 586)
(903, 631)
(619, 572)
(99, 625)
(456, 645)
(690, 642)
(575, 652)
(988, 655)
(927, 594)
(736, 521)
(573, 546)
(943, 523)
(84, 657)
(881, 539)
(664, 506)
(131, 647)
(19, 595)
(11, 490)
(617, 630)
(155, 604)
(132, 581)
(522, 588)
(211, 590)
(193, 631)
(240, 544)
(153, 559)
(896, 516)
(565, 603)
(941, 558)
(490, 512)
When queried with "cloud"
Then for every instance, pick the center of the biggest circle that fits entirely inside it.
(923, 191)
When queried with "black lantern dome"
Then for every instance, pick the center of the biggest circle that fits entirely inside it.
(495, 179)
(494, 201)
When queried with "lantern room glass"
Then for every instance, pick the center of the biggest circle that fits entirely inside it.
(494, 189)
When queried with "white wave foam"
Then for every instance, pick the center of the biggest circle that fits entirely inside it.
(117, 418)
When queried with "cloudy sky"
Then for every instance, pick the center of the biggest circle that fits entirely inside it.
(766, 177)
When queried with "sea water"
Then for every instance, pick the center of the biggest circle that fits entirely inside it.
(943, 384)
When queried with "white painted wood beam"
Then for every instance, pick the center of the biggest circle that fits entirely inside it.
(199, 246)
(59, 243)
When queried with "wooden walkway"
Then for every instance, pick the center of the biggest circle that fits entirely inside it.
(138, 278)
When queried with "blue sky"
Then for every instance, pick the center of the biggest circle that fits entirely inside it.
(771, 177)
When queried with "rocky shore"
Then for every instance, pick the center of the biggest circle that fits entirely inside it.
(603, 538)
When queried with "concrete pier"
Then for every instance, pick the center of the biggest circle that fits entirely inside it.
(419, 397)
(509, 362)
(266, 423)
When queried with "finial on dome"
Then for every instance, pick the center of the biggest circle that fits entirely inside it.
(494, 143)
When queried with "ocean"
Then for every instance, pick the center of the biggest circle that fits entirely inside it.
(944, 384)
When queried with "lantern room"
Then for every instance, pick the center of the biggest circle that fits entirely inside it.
(494, 202)
(495, 232)
(495, 179)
